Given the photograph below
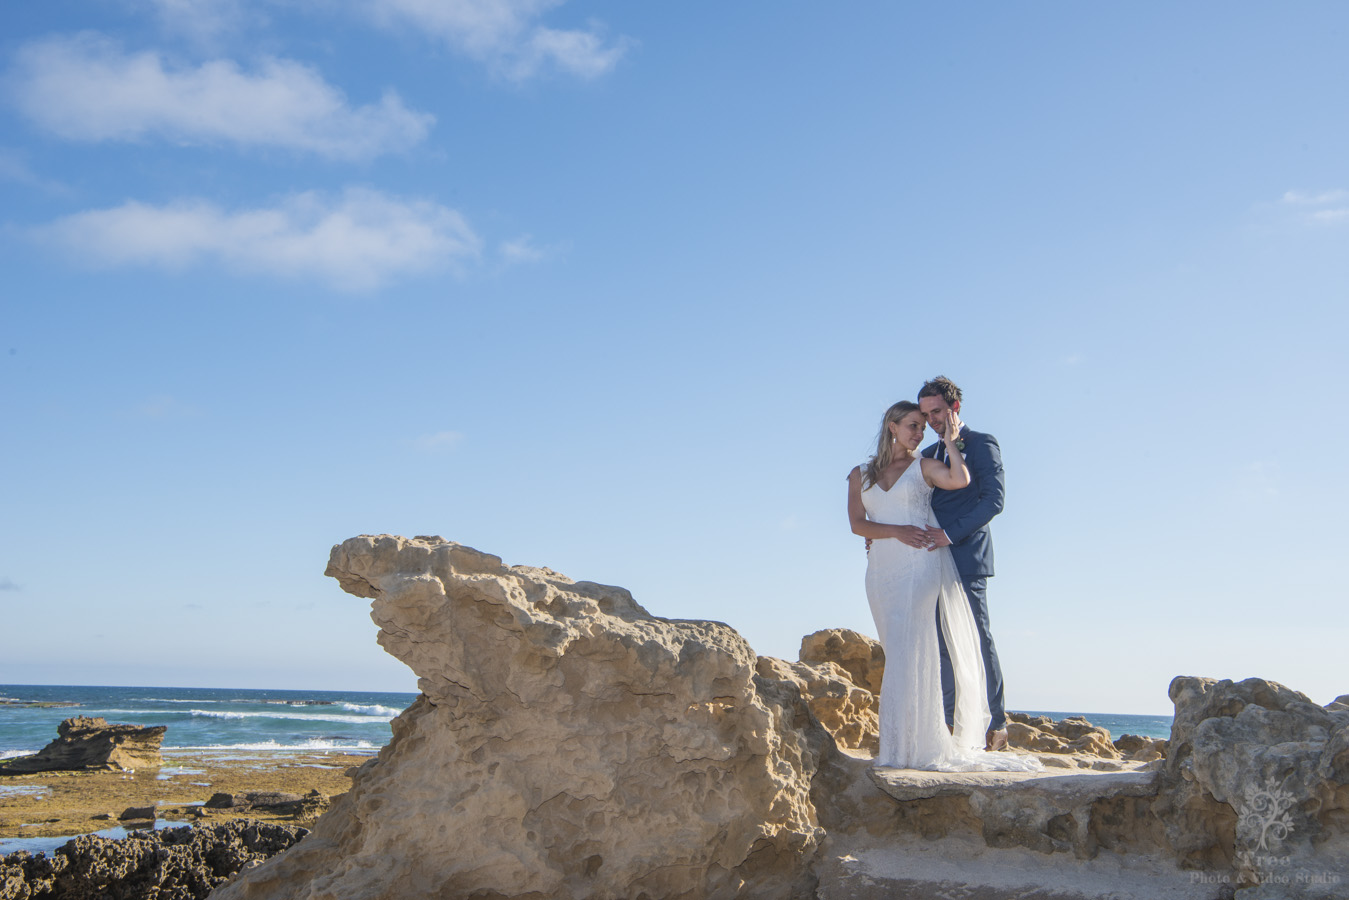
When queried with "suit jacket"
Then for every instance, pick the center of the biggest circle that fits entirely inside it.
(964, 514)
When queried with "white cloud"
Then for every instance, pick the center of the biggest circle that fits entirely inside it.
(200, 20)
(87, 88)
(1305, 198)
(1331, 216)
(504, 34)
(353, 242)
(521, 250)
(440, 441)
(1320, 207)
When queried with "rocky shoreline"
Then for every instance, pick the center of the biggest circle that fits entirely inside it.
(569, 744)
(186, 863)
(52, 804)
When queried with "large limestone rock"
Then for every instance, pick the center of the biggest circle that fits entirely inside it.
(567, 743)
(849, 713)
(1257, 777)
(91, 743)
(862, 657)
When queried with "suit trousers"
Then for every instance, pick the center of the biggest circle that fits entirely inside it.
(976, 589)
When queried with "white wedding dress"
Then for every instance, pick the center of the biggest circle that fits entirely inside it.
(905, 587)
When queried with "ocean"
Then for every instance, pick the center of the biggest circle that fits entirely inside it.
(220, 719)
(229, 719)
(1116, 723)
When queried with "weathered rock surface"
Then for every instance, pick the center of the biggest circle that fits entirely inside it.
(304, 806)
(1074, 734)
(1140, 748)
(1076, 743)
(91, 743)
(862, 657)
(848, 712)
(839, 674)
(1257, 778)
(171, 864)
(566, 744)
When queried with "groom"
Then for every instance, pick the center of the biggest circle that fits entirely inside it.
(964, 516)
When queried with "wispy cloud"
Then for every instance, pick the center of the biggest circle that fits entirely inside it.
(505, 35)
(356, 241)
(203, 21)
(522, 250)
(86, 88)
(13, 167)
(7, 585)
(1329, 207)
(438, 442)
(1309, 198)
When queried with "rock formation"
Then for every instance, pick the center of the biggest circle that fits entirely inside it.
(89, 743)
(1257, 778)
(1071, 735)
(567, 743)
(302, 806)
(860, 656)
(172, 864)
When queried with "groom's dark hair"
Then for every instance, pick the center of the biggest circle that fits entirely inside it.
(942, 387)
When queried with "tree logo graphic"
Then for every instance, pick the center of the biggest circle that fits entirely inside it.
(1264, 816)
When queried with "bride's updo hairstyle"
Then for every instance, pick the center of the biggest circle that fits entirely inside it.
(885, 448)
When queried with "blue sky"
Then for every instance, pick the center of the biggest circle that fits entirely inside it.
(623, 289)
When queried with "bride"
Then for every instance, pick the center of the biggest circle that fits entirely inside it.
(908, 581)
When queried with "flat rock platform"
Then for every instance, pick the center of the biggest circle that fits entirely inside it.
(1067, 788)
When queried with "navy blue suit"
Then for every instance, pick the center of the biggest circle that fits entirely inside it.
(964, 516)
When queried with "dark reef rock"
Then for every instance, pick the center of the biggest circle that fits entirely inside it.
(90, 743)
(173, 864)
(137, 814)
(304, 805)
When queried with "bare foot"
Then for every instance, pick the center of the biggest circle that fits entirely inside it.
(996, 740)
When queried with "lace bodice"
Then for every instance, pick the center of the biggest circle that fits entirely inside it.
(908, 502)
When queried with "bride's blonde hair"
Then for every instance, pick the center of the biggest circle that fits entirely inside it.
(885, 447)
